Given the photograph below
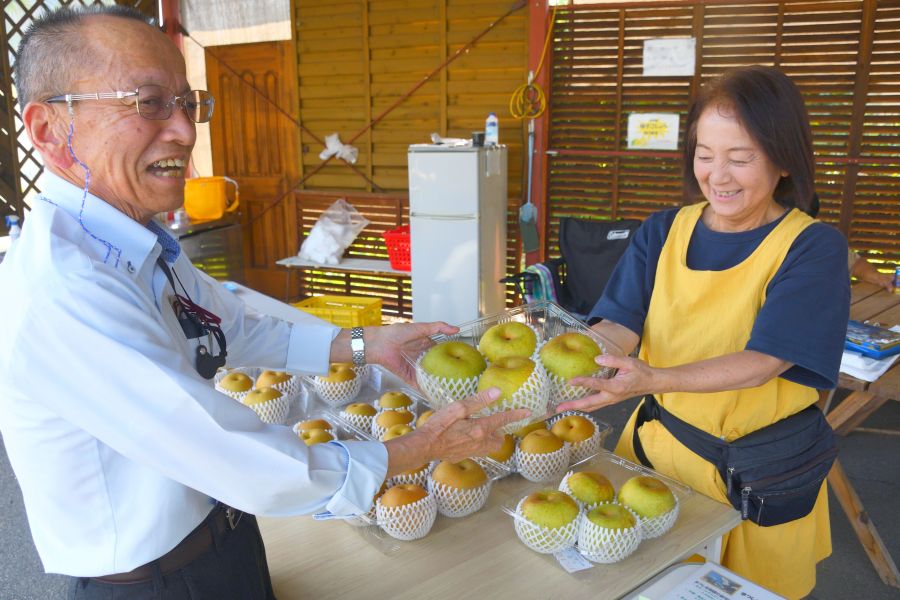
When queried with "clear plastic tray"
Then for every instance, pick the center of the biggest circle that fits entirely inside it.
(378, 382)
(616, 469)
(546, 318)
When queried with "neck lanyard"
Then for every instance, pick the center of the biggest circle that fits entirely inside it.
(196, 322)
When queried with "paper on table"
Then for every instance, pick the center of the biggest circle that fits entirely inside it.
(714, 582)
(865, 368)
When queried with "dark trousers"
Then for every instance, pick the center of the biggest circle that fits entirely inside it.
(234, 568)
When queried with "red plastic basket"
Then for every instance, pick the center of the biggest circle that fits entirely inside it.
(397, 242)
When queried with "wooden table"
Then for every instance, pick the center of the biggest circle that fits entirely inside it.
(474, 557)
(873, 304)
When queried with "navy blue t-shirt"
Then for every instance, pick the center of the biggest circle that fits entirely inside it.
(804, 318)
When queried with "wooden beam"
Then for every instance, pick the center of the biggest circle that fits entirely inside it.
(863, 526)
(860, 93)
(171, 22)
(442, 42)
(367, 77)
(538, 22)
(854, 410)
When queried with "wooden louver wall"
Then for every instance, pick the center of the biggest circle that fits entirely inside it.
(841, 53)
(357, 58)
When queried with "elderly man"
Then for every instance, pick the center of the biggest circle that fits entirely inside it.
(134, 470)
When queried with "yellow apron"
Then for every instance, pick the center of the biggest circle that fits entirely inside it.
(695, 315)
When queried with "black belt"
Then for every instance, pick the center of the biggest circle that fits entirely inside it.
(221, 519)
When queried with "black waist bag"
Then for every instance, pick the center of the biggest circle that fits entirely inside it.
(772, 475)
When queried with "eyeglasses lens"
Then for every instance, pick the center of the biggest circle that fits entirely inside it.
(155, 102)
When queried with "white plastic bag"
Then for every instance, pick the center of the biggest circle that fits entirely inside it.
(335, 230)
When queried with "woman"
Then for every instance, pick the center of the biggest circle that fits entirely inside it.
(740, 305)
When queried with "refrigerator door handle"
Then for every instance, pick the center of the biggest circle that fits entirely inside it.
(443, 217)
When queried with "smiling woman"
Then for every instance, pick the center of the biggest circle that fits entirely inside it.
(739, 303)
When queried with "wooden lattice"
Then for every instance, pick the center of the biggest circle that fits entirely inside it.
(20, 166)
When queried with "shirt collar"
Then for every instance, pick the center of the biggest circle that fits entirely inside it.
(131, 241)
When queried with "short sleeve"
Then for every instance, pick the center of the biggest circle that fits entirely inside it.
(626, 298)
(804, 317)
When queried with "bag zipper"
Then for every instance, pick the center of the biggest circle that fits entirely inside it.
(745, 503)
(805, 467)
(754, 463)
(775, 478)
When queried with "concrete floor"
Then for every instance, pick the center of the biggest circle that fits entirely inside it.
(870, 459)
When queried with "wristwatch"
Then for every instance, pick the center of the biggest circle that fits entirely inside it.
(358, 346)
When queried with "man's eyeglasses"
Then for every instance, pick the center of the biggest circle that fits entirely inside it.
(155, 102)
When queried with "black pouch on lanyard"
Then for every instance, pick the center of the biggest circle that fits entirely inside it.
(772, 475)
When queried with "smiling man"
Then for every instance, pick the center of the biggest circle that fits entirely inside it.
(139, 479)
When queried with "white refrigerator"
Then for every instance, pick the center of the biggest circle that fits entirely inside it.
(457, 215)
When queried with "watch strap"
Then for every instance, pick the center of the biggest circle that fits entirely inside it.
(358, 346)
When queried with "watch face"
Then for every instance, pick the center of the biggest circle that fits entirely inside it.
(357, 345)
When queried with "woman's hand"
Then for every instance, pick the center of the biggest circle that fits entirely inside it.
(633, 378)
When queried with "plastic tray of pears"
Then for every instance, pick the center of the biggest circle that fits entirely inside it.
(446, 372)
(385, 528)
(599, 520)
(280, 405)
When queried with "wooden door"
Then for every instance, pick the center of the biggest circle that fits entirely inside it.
(256, 143)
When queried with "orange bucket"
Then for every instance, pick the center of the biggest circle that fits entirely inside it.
(206, 198)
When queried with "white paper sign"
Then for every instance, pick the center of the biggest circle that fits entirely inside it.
(653, 131)
(669, 57)
(570, 560)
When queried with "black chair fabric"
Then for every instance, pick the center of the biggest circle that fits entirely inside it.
(590, 251)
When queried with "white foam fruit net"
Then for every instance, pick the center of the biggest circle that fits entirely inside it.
(602, 545)
(418, 477)
(561, 391)
(274, 411)
(239, 396)
(407, 522)
(533, 395)
(541, 539)
(291, 387)
(543, 467)
(442, 390)
(378, 431)
(335, 393)
(655, 527)
(456, 502)
(585, 448)
(410, 407)
(564, 487)
(363, 422)
(330, 429)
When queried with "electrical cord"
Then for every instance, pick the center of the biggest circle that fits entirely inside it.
(528, 100)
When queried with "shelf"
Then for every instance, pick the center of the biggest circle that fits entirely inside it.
(365, 265)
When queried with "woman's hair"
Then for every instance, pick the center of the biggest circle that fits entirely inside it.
(769, 106)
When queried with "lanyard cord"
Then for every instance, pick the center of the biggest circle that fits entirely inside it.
(207, 319)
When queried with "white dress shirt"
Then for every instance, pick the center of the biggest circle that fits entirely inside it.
(118, 444)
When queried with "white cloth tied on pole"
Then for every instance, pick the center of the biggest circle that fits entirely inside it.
(333, 146)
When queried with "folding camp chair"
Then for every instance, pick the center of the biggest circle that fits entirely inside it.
(590, 250)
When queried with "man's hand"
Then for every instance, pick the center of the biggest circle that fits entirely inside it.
(450, 434)
(383, 344)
